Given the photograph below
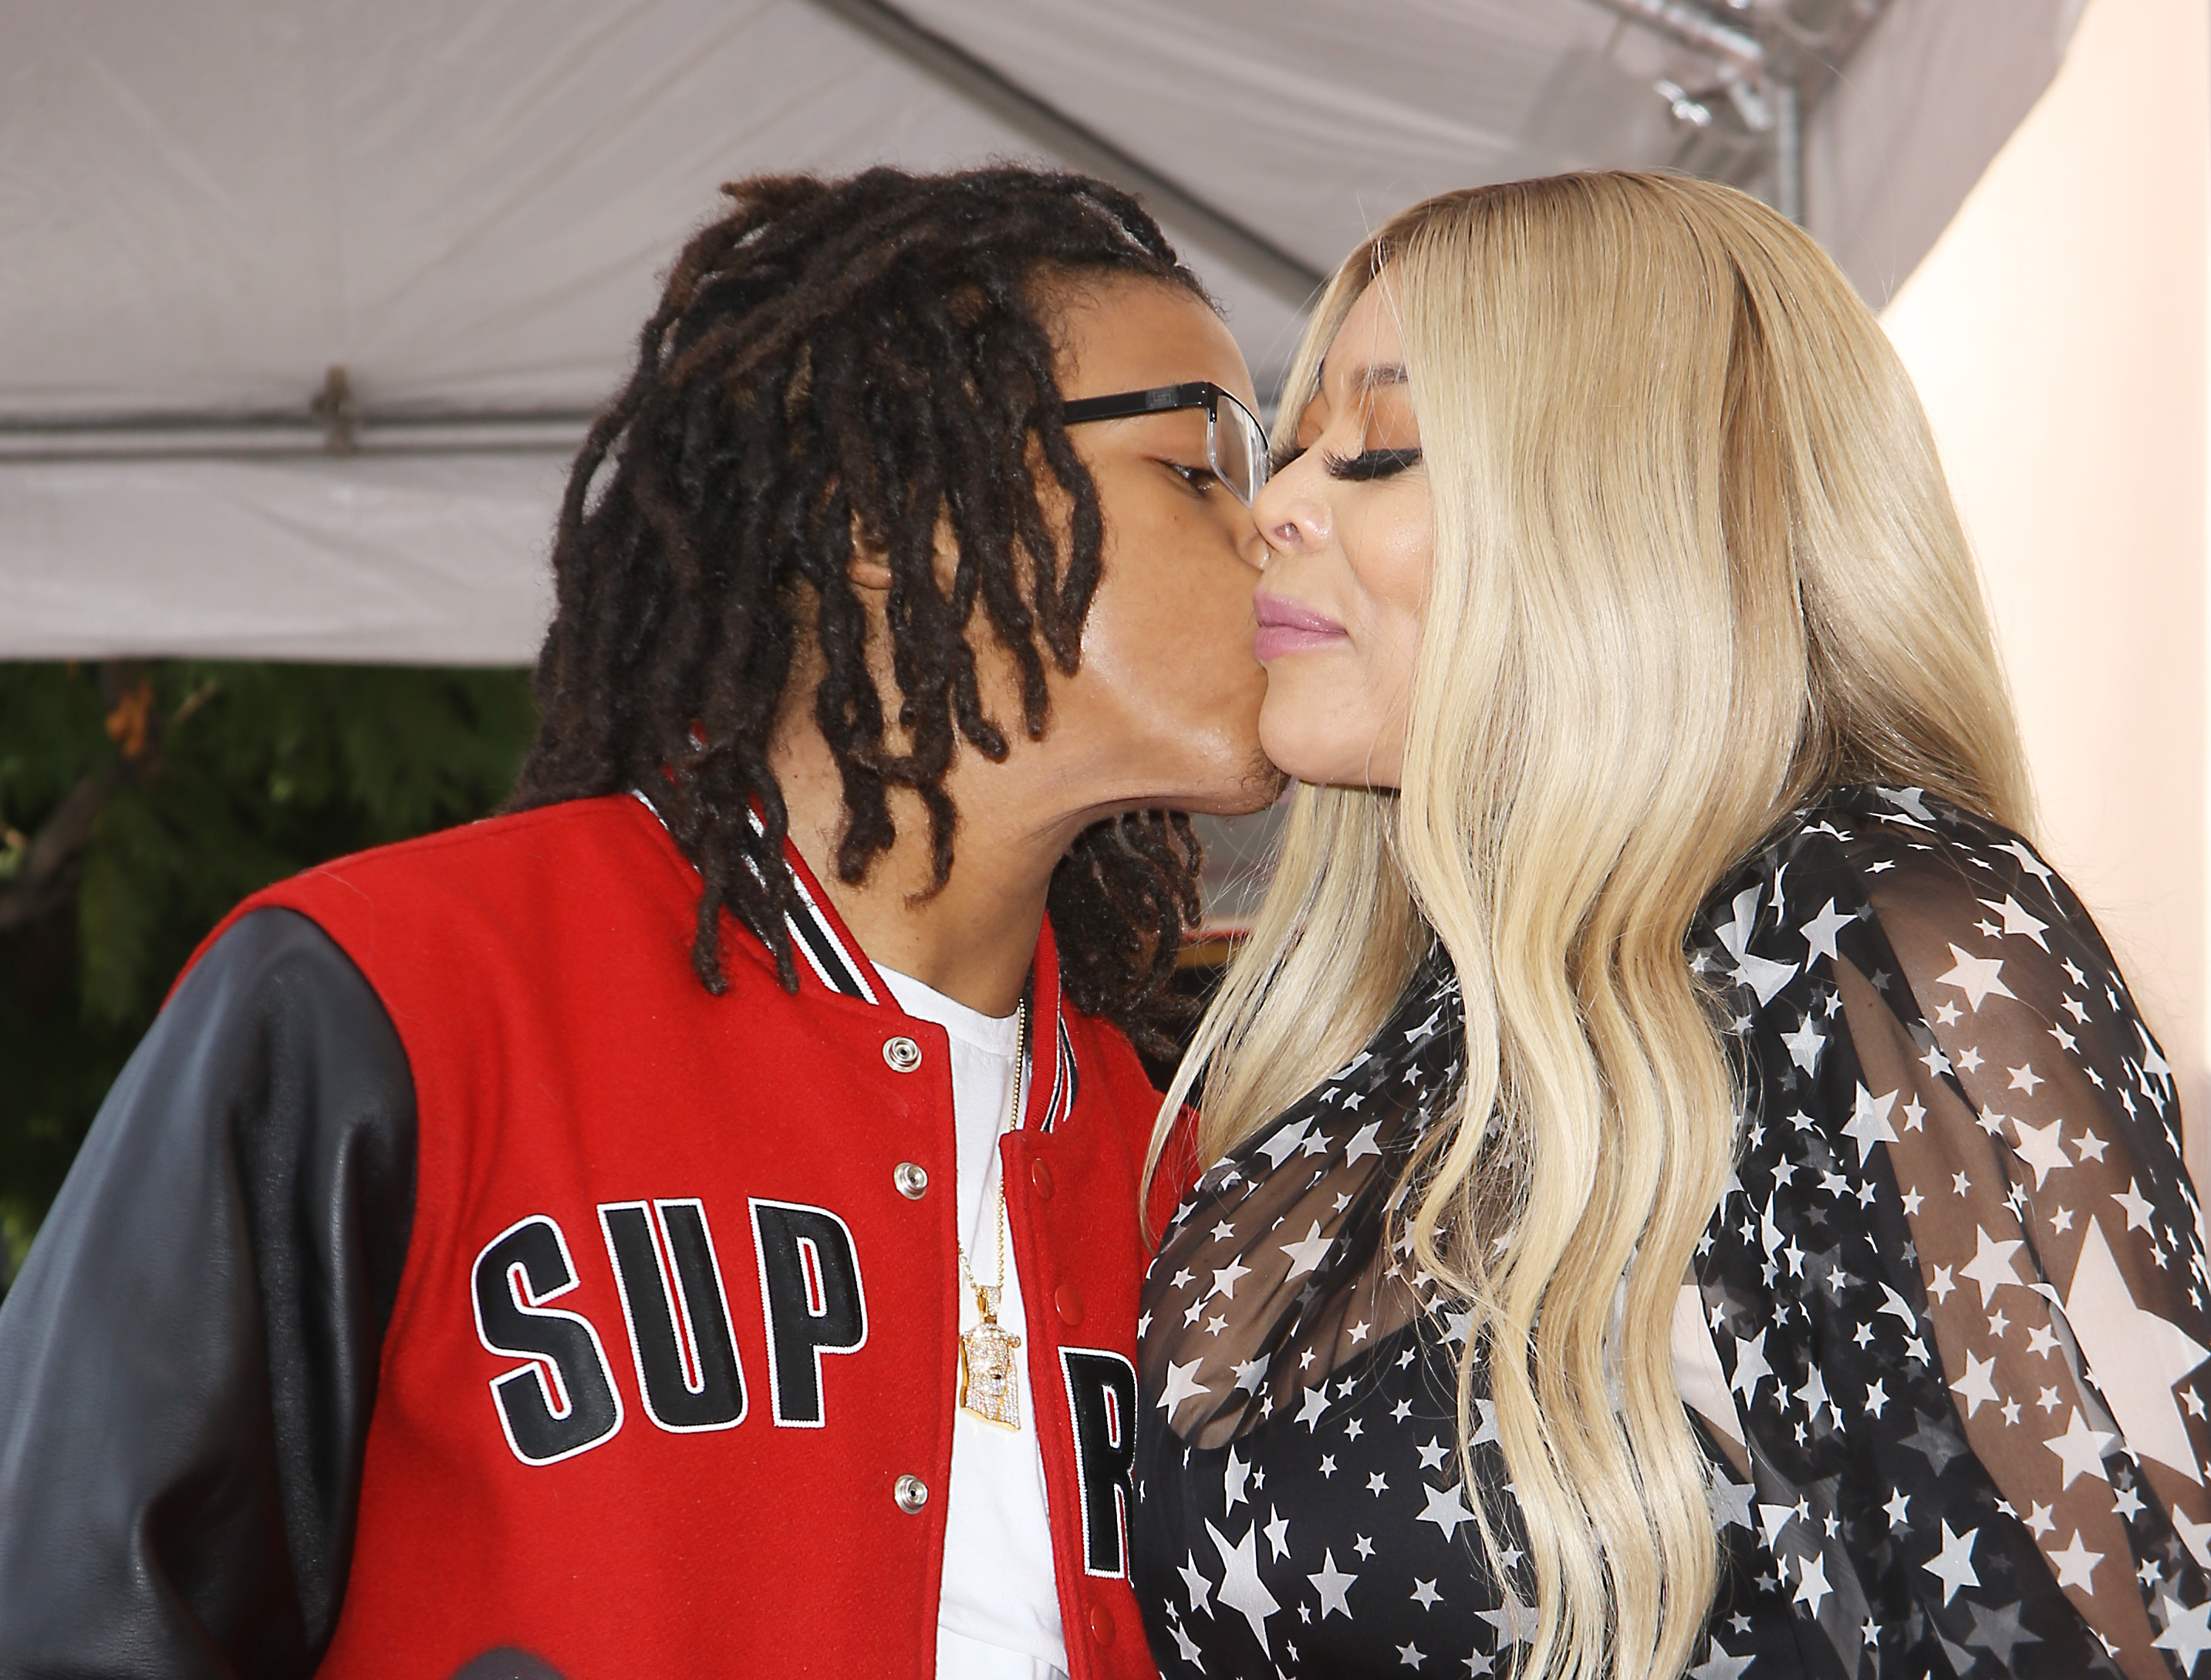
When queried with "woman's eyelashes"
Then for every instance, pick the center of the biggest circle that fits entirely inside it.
(1362, 468)
(1371, 464)
(1199, 479)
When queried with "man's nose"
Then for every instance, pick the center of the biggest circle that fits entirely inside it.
(1250, 542)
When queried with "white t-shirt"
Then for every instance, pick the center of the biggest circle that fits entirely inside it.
(998, 1616)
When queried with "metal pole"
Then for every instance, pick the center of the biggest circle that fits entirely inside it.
(333, 425)
(1290, 277)
(1788, 151)
(1694, 27)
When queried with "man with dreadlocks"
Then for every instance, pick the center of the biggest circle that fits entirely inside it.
(689, 1224)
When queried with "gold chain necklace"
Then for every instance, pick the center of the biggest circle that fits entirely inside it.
(989, 1376)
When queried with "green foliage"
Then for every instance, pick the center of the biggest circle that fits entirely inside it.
(226, 778)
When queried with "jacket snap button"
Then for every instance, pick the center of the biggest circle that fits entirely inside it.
(1101, 1625)
(1069, 1303)
(1040, 1178)
(911, 1493)
(911, 1180)
(903, 1055)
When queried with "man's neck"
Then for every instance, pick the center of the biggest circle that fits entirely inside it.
(974, 938)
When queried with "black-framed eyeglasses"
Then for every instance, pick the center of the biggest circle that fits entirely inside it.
(1235, 443)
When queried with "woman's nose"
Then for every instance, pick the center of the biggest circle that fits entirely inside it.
(1289, 515)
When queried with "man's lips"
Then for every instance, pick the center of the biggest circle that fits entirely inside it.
(1285, 627)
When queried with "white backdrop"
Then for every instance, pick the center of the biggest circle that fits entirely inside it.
(2057, 333)
(466, 203)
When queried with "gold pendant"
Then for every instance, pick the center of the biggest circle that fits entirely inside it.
(989, 1379)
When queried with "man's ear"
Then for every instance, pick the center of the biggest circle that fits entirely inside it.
(869, 570)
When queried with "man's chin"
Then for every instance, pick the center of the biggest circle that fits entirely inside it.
(1258, 787)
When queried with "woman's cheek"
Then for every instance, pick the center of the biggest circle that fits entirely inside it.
(1317, 721)
(1398, 582)
(1289, 725)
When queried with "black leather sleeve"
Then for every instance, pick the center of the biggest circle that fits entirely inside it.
(189, 1359)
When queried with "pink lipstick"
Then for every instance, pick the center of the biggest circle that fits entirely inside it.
(1286, 628)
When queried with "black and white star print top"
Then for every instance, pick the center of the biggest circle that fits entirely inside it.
(1942, 1343)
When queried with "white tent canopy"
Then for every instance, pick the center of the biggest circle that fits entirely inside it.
(465, 205)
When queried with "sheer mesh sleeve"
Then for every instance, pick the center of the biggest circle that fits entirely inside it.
(1958, 1290)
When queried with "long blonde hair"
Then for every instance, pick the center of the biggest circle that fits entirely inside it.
(1695, 562)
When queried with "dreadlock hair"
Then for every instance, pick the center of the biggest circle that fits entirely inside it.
(867, 358)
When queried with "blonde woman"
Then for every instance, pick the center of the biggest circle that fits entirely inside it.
(1693, 1194)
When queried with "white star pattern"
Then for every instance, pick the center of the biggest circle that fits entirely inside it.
(1315, 1404)
(1196, 1584)
(2142, 1355)
(1226, 1279)
(2076, 1565)
(1978, 978)
(1954, 1565)
(1950, 1308)
(1805, 1044)
(2195, 1536)
(1868, 1122)
(1812, 1584)
(1820, 931)
(2041, 1148)
(2017, 922)
(1446, 1509)
(2081, 1449)
(1242, 1590)
(2137, 1207)
(1974, 1389)
(1992, 1266)
(1306, 1253)
(1750, 1367)
(1720, 1666)
(2187, 1631)
(1182, 1385)
(1334, 1586)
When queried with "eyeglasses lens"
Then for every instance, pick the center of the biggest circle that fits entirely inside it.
(1237, 448)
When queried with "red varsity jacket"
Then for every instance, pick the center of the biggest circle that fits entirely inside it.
(668, 1383)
